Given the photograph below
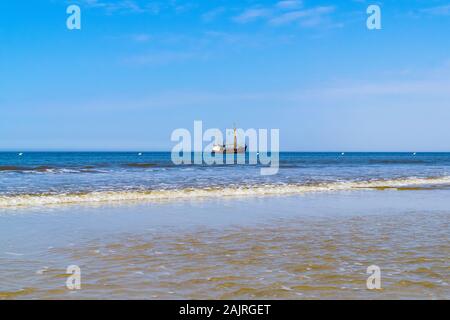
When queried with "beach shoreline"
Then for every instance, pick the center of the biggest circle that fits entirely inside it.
(286, 247)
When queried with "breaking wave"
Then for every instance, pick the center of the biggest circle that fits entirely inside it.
(102, 197)
(50, 169)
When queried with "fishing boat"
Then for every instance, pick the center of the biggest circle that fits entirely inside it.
(234, 148)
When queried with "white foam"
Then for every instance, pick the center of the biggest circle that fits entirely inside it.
(208, 192)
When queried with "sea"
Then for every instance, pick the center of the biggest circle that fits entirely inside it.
(53, 178)
(137, 226)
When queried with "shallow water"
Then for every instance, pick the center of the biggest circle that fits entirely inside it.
(297, 247)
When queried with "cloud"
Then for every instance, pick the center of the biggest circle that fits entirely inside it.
(134, 37)
(252, 15)
(405, 88)
(213, 14)
(437, 11)
(407, 83)
(289, 4)
(163, 58)
(402, 92)
(141, 37)
(279, 13)
(310, 17)
(134, 6)
(117, 6)
(285, 12)
(181, 8)
(287, 17)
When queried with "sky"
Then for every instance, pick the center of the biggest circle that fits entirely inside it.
(137, 70)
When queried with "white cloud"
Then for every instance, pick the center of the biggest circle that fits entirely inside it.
(287, 11)
(113, 6)
(136, 6)
(141, 37)
(401, 83)
(252, 15)
(163, 58)
(287, 17)
(213, 14)
(438, 11)
(311, 16)
(289, 4)
(424, 87)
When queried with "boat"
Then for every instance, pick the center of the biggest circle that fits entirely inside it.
(223, 148)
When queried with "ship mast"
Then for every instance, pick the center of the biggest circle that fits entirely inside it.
(235, 138)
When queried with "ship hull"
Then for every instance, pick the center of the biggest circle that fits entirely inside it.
(239, 150)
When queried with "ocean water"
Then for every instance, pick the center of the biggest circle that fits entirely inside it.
(38, 178)
(140, 227)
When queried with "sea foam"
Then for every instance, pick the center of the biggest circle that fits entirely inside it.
(99, 197)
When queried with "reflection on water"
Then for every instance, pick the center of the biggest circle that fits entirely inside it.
(301, 258)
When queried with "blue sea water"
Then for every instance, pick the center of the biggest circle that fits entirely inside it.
(49, 174)
(315, 246)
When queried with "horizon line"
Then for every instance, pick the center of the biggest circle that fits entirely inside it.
(169, 151)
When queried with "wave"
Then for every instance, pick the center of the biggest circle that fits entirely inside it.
(21, 169)
(140, 165)
(284, 164)
(102, 197)
(73, 169)
(50, 169)
(399, 161)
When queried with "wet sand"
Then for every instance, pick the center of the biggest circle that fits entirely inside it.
(314, 246)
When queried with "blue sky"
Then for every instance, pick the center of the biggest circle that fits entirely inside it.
(137, 70)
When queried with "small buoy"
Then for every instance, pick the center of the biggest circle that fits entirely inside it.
(414, 154)
(20, 153)
(342, 153)
(139, 154)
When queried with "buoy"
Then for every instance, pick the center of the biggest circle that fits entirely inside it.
(414, 154)
(139, 154)
(342, 153)
(20, 153)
